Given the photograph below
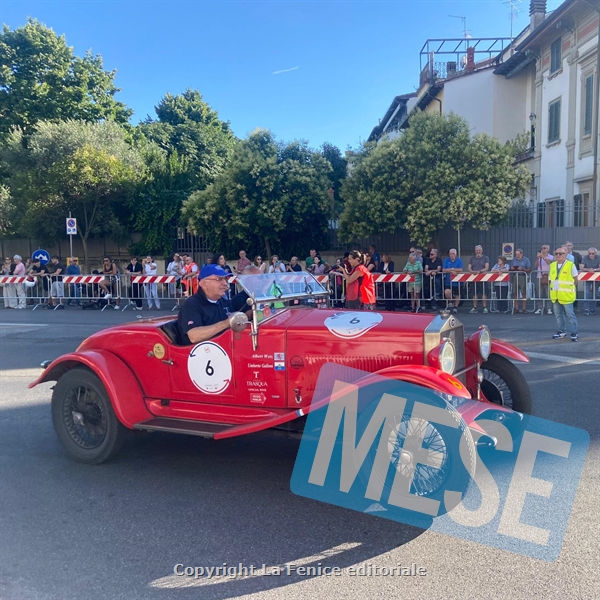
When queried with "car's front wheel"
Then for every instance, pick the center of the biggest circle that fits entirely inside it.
(504, 384)
(84, 419)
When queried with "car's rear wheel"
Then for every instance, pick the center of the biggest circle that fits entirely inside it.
(504, 384)
(84, 419)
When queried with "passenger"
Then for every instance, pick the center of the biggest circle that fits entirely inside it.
(207, 312)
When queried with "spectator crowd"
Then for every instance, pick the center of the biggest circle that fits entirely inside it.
(352, 280)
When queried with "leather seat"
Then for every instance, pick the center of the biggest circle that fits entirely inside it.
(171, 330)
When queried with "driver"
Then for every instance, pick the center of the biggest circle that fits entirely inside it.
(206, 313)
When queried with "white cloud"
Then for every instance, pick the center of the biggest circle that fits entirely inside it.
(284, 71)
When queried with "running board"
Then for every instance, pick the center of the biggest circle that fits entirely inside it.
(199, 428)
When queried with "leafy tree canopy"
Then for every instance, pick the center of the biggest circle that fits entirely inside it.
(42, 80)
(89, 169)
(271, 197)
(433, 175)
(337, 174)
(156, 208)
(6, 211)
(190, 127)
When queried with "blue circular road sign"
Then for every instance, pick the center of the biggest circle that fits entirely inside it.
(42, 256)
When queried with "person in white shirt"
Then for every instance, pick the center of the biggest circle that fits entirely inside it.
(175, 269)
(276, 266)
(151, 289)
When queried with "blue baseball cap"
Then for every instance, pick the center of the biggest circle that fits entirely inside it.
(209, 270)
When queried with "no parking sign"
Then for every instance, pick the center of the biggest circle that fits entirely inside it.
(71, 226)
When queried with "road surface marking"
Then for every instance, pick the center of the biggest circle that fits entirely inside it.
(564, 359)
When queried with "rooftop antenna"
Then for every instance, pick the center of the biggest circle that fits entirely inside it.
(466, 35)
(514, 11)
(464, 20)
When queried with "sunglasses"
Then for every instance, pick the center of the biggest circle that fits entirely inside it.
(559, 253)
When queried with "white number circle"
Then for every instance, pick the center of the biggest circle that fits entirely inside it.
(209, 368)
(350, 325)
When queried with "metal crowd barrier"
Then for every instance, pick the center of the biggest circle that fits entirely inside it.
(392, 290)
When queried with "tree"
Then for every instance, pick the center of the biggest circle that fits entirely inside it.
(86, 168)
(156, 208)
(6, 211)
(42, 80)
(337, 175)
(271, 197)
(190, 127)
(433, 175)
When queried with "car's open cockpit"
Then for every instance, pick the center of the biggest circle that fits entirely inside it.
(269, 294)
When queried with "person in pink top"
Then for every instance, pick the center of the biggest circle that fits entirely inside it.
(243, 262)
(19, 287)
(542, 265)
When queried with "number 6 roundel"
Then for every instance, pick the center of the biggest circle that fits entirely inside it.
(209, 368)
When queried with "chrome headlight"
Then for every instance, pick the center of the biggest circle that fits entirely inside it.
(447, 357)
(485, 343)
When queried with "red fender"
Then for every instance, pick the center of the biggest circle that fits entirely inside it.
(505, 349)
(117, 378)
(427, 377)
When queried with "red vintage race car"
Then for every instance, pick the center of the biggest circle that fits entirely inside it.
(262, 372)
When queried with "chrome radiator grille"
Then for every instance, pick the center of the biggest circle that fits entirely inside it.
(457, 337)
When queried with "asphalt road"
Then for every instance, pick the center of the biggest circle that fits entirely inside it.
(70, 531)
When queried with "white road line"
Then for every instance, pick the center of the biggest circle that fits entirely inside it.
(23, 324)
(32, 373)
(564, 359)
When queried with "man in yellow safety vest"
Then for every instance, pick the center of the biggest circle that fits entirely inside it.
(563, 292)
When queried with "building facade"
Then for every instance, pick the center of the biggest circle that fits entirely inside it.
(544, 84)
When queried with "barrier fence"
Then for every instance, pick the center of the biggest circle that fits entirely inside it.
(504, 292)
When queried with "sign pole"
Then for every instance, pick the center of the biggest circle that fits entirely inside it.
(70, 240)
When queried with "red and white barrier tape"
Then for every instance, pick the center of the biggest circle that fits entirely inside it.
(154, 279)
(399, 278)
(83, 278)
(588, 277)
(469, 277)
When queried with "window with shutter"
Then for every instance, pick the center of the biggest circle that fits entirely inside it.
(588, 106)
(554, 121)
(556, 55)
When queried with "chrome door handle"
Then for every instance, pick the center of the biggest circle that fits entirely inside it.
(168, 362)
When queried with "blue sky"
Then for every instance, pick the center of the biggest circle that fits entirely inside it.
(343, 61)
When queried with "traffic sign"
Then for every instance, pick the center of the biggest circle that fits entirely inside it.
(508, 250)
(41, 255)
(71, 226)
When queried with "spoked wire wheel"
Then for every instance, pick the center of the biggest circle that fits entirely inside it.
(504, 384)
(426, 478)
(84, 419)
(438, 466)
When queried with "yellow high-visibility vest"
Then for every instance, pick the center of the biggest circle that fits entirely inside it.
(567, 291)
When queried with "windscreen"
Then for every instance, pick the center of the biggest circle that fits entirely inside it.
(281, 286)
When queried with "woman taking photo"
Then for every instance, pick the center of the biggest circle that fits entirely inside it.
(276, 266)
(364, 278)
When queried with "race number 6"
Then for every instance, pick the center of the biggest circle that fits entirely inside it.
(209, 368)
